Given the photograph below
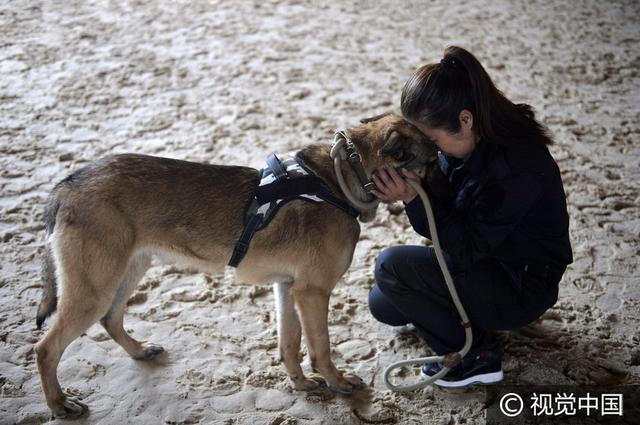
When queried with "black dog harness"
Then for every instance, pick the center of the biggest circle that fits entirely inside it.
(281, 182)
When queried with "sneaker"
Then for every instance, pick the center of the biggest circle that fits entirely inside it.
(409, 328)
(486, 368)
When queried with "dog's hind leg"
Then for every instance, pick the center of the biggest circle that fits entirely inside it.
(86, 281)
(113, 321)
(313, 305)
(289, 336)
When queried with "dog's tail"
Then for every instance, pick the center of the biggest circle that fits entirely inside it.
(49, 300)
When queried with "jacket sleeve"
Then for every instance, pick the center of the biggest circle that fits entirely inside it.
(473, 232)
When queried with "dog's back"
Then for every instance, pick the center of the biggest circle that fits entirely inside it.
(144, 202)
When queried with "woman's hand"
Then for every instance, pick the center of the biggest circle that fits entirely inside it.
(390, 186)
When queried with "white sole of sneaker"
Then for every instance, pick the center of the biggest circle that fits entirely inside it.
(485, 378)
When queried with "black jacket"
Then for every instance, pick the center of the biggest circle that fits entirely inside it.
(506, 203)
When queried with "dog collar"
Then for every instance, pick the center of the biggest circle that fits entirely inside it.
(346, 150)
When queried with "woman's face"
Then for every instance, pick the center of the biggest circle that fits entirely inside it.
(458, 145)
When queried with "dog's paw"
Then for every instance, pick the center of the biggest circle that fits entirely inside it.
(309, 384)
(69, 408)
(315, 387)
(348, 384)
(148, 352)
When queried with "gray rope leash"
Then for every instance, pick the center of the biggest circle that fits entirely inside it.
(451, 359)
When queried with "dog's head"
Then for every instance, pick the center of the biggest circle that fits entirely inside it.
(388, 139)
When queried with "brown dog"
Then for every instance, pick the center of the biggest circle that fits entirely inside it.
(106, 220)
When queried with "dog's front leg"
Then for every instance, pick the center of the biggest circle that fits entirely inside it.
(313, 305)
(289, 335)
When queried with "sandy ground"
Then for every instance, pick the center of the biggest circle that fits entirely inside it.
(230, 82)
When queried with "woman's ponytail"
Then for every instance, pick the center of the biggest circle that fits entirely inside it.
(437, 93)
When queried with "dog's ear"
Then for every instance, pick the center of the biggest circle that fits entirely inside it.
(375, 117)
(397, 146)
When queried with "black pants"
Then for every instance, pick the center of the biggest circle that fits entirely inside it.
(410, 288)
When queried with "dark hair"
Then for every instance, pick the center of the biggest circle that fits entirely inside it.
(437, 93)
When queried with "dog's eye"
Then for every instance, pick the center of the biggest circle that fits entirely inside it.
(401, 156)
